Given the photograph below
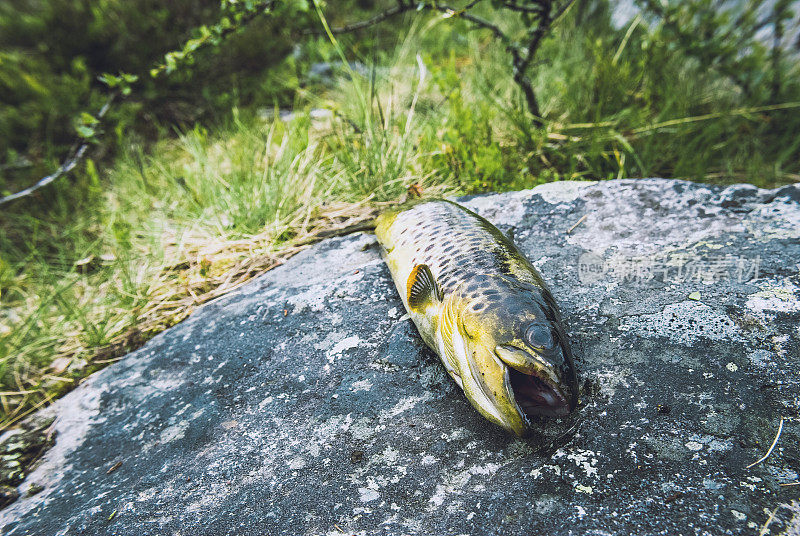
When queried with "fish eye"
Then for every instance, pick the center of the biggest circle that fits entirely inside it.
(539, 336)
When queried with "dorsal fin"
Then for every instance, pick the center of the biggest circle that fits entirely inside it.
(422, 288)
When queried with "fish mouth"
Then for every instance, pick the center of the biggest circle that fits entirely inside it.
(535, 397)
(535, 383)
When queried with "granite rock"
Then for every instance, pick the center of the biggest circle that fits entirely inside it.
(306, 403)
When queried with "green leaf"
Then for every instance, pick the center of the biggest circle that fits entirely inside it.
(108, 79)
(85, 132)
(88, 119)
(694, 296)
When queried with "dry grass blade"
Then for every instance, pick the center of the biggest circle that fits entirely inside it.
(581, 220)
(771, 447)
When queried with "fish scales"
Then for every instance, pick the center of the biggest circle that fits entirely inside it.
(457, 245)
(484, 309)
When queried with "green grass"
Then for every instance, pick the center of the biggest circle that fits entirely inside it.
(120, 251)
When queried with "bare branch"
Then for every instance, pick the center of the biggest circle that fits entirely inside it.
(480, 23)
(67, 166)
(377, 19)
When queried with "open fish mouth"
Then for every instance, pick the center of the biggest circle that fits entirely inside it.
(535, 397)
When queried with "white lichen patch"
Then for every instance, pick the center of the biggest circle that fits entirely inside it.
(540, 262)
(501, 209)
(390, 455)
(615, 214)
(361, 385)
(774, 298)
(761, 358)
(404, 405)
(458, 482)
(174, 432)
(79, 411)
(314, 299)
(739, 516)
(297, 463)
(364, 429)
(438, 496)
(562, 191)
(699, 442)
(683, 322)
(774, 221)
(748, 485)
(611, 380)
(455, 435)
(368, 494)
(336, 343)
(488, 469)
(552, 469)
(585, 460)
(707, 244)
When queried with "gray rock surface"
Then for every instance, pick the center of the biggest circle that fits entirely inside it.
(305, 403)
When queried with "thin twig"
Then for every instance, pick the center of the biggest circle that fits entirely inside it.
(580, 221)
(480, 23)
(114, 467)
(64, 168)
(774, 442)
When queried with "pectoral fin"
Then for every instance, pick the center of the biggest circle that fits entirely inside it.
(422, 288)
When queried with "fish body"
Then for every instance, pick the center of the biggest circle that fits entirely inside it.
(481, 306)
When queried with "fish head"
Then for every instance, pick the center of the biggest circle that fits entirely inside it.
(519, 358)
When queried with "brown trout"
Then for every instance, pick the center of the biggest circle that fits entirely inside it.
(484, 309)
